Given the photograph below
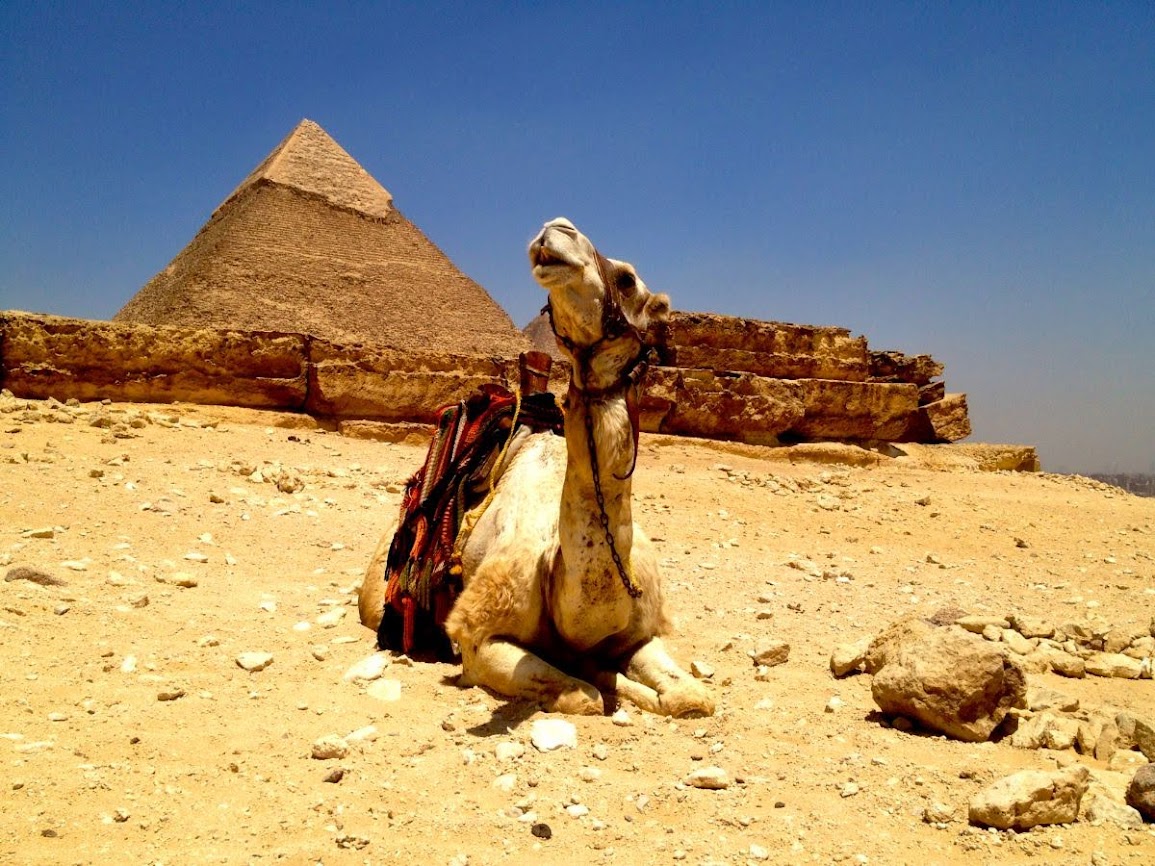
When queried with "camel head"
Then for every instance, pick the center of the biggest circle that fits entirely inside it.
(585, 291)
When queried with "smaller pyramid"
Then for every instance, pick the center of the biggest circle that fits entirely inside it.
(311, 243)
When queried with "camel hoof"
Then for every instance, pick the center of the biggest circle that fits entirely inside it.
(688, 702)
(585, 701)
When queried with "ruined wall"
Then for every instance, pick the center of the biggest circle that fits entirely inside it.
(789, 391)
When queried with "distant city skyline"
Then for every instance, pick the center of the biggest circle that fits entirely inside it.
(973, 182)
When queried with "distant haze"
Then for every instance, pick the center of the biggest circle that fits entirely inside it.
(974, 181)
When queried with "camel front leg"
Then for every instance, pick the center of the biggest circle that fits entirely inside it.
(515, 672)
(679, 694)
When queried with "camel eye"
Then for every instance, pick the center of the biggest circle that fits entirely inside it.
(626, 282)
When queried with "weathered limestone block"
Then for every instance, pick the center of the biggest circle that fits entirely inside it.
(855, 410)
(774, 365)
(736, 406)
(931, 393)
(898, 367)
(379, 383)
(945, 420)
(1000, 458)
(828, 348)
(52, 356)
(1031, 798)
(951, 681)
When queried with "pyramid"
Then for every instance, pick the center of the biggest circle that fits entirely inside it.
(310, 243)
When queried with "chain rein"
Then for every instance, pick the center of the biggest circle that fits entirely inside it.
(603, 517)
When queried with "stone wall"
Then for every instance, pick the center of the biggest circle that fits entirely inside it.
(718, 377)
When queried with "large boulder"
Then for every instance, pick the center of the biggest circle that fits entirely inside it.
(947, 679)
(1031, 798)
(1141, 792)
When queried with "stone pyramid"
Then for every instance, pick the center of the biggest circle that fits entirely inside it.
(311, 243)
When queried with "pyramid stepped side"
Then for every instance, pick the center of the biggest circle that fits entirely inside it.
(278, 259)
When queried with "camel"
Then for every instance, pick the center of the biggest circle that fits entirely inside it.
(562, 597)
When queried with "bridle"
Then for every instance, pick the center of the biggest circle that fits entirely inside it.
(615, 325)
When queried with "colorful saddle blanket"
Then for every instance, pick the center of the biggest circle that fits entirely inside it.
(422, 580)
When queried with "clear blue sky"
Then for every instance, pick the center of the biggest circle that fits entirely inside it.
(973, 180)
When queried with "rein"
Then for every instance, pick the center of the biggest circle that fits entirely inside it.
(615, 325)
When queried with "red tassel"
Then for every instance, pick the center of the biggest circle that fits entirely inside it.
(408, 615)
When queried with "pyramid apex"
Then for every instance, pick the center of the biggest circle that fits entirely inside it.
(309, 160)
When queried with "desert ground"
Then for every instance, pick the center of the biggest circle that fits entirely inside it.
(186, 537)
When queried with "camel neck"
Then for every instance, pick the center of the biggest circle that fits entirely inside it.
(595, 599)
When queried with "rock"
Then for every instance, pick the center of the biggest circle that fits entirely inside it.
(1031, 733)
(1063, 663)
(774, 349)
(710, 778)
(384, 690)
(508, 751)
(977, 624)
(1144, 736)
(938, 813)
(329, 747)
(34, 575)
(541, 830)
(771, 652)
(1126, 761)
(1141, 792)
(849, 657)
(369, 668)
(179, 578)
(1031, 798)
(254, 661)
(549, 734)
(367, 734)
(1103, 664)
(1049, 699)
(701, 670)
(885, 645)
(1108, 741)
(335, 775)
(945, 420)
(352, 842)
(1030, 626)
(1061, 734)
(1016, 642)
(330, 618)
(950, 681)
(1090, 730)
(1099, 808)
(621, 718)
(171, 693)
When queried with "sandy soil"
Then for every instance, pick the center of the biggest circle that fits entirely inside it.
(129, 733)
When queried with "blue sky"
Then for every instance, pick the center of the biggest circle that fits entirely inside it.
(973, 180)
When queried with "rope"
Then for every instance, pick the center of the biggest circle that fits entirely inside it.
(471, 518)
